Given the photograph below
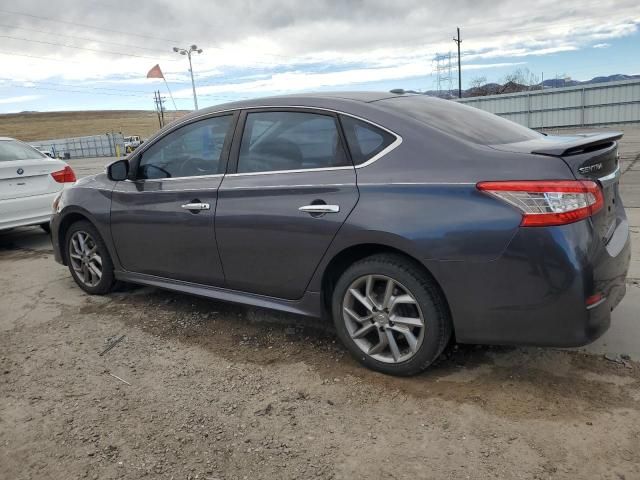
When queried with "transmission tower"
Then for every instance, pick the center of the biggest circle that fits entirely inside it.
(442, 71)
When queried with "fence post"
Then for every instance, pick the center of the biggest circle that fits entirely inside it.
(583, 106)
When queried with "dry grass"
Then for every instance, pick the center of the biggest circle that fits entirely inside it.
(50, 125)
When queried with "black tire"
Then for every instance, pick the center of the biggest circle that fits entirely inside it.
(433, 306)
(46, 227)
(107, 280)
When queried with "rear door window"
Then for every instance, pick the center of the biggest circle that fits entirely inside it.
(365, 140)
(276, 141)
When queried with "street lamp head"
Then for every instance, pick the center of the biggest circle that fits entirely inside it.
(199, 50)
(183, 52)
(176, 49)
(194, 47)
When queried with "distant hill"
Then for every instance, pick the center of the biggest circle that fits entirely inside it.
(30, 126)
(560, 82)
(511, 87)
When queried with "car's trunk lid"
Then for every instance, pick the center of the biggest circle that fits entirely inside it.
(590, 157)
(25, 178)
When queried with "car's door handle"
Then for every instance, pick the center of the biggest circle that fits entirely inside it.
(320, 208)
(196, 206)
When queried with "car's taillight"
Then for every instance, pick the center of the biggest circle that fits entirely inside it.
(548, 202)
(66, 175)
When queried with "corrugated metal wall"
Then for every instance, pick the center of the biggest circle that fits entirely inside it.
(108, 145)
(583, 105)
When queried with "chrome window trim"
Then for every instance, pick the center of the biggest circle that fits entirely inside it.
(169, 179)
(117, 190)
(299, 170)
(395, 144)
(314, 185)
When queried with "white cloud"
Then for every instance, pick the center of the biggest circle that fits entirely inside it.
(301, 80)
(19, 99)
(279, 46)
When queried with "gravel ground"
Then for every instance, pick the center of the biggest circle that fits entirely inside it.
(227, 392)
(207, 390)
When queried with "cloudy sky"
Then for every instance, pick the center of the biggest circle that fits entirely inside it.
(94, 54)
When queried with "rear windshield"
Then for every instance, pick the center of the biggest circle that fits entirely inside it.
(12, 150)
(468, 123)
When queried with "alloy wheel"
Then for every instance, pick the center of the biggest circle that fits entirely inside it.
(383, 318)
(85, 259)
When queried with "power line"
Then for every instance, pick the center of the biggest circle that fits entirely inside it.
(95, 27)
(84, 39)
(42, 82)
(109, 52)
(3, 52)
(82, 91)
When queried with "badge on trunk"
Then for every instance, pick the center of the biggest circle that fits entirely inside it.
(20, 171)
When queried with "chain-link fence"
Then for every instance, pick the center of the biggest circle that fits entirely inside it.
(108, 145)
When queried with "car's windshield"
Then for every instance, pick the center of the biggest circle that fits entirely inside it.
(468, 123)
(12, 150)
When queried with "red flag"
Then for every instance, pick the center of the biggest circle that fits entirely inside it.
(155, 72)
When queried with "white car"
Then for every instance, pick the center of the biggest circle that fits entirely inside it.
(29, 183)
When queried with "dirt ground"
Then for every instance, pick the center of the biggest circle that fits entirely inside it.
(226, 392)
(49, 125)
(217, 391)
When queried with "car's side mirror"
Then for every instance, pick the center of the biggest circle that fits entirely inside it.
(118, 171)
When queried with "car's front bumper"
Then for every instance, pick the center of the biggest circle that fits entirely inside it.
(535, 293)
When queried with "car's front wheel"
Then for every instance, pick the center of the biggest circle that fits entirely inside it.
(88, 259)
(391, 315)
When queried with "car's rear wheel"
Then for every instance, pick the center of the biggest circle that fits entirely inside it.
(391, 315)
(88, 259)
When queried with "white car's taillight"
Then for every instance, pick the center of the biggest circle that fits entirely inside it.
(66, 175)
(548, 202)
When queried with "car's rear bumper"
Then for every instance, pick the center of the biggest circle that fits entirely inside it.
(20, 212)
(535, 293)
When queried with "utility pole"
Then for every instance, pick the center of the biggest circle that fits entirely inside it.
(161, 102)
(188, 52)
(156, 100)
(458, 42)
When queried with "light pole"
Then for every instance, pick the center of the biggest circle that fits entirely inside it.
(188, 52)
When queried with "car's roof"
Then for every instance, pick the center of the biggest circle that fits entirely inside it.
(6, 138)
(321, 99)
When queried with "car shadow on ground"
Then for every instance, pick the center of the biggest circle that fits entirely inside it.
(505, 380)
(26, 239)
(496, 377)
(25, 243)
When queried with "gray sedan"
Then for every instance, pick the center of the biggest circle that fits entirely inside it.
(406, 219)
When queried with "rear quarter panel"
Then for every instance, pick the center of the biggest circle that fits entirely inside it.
(421, 198)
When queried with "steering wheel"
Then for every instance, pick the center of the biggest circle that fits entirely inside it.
(193, 166)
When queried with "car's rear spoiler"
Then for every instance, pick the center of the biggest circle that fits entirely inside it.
(583, 143)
